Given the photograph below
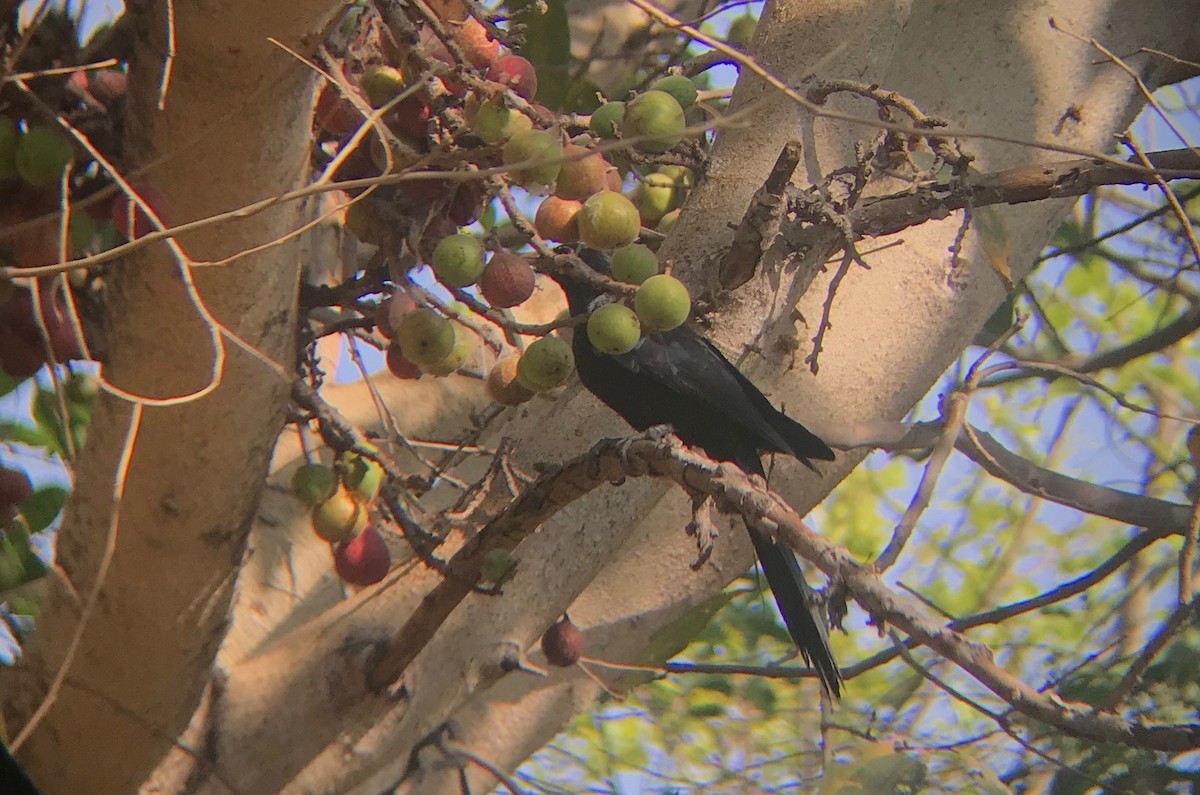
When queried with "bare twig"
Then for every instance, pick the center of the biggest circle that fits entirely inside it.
(766, 207)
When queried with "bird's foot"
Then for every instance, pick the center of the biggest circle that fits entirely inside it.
(702, 528)
(658, 433)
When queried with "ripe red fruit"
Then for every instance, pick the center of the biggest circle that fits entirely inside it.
(517, 73)
(19, 318)
(399, 366)
(438, 229)
(410, 117)
(558, 219)
(391, 311)
(335, 114)
(19, 357)
(507, 281)
(131, 220)
(563, 643)
(14, 489)
(364, 559)
(108, 85)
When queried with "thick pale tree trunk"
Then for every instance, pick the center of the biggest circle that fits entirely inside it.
(234, 129)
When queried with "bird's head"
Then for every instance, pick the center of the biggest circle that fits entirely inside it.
(580, 294)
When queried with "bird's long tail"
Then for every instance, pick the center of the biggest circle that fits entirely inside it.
(793, 595)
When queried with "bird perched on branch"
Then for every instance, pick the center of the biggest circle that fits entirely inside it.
(679, 378)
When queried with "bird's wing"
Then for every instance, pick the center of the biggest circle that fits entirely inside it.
(691, 367)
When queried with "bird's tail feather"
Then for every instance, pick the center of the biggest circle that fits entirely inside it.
(793, 595)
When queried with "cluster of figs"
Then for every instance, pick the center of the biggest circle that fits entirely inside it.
(580, 194)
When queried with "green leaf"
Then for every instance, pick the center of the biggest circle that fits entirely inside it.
(7, 383)
(19, 564)
(547, 46)
(19, 432)
(999, 323)
(889, 773)
(43, 506)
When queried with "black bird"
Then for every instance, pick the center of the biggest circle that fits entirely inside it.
(679, 378)
(13, 780)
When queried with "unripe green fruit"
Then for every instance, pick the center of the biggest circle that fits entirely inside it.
(741, 31)
(656, 196)
(339, 518)
(634, 264)
(543, 148)
(458, 260)
(545, 364)
(608, 220)
(362, 477)
(494, 122)
(657, 116)
(497, 566)
(680, 87)
(681, 175)
(8, 147)
(606, 119)
(313, 483)
(667, 222)
(614, 329)
(662, 303)
(425, 337)
(381, 84)
(42, 155)
(457, 357)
